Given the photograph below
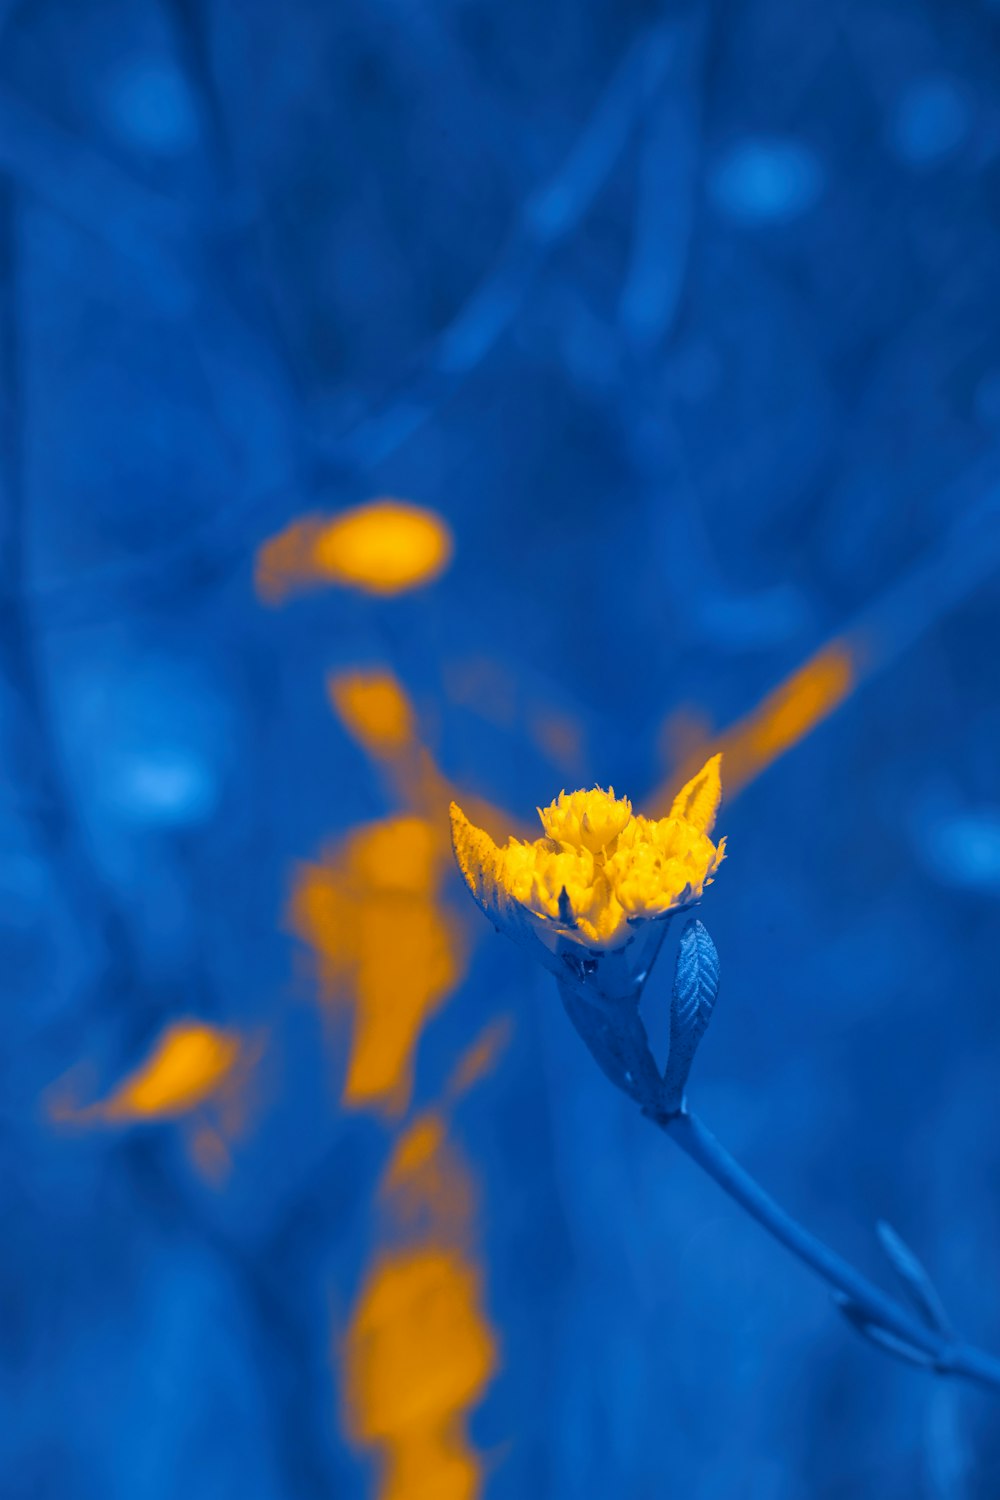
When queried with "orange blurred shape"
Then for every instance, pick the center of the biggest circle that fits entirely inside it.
(284, 564)
(374, 710)
(189, 1065)
(415, 1150)
(426, 1183)
(788, 713)
(418, 1355)
(385, 547)
(398, 854)
(385, 945)
(382, 547)
(482, 1057)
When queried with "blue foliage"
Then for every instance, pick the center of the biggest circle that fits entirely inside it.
(696, 984)
(859, 1319)
(914, 1278)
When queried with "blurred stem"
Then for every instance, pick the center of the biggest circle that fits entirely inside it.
(944, 1354)
(29, 751)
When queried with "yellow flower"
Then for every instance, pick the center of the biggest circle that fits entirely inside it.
(586, 820)
(599, 872)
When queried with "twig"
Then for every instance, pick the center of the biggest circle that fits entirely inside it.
(866, 1306)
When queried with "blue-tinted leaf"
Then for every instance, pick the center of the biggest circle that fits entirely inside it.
(914, 1278)
(881, 1337)
(696, 984)
(616, 1039)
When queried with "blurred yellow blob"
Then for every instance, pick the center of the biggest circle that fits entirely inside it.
(382, 547)
(785, 716)
(387, 948)
(789, 713)
(427, 1183)
(415, 1149)
(419, 1350)
(285, 563)
(188, 1066)
(385, 547)
(419, 1354)
(398, 854)
(482, 1057)
(197, 1075)
(599, 869)
(374, 710)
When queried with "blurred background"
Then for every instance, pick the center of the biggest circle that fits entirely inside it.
(406, 401)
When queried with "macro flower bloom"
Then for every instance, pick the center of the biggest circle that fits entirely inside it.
(600, 871)
(592, 901)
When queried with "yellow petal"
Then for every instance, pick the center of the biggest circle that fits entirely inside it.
(698, 802)
(479, 861)
(492, 876)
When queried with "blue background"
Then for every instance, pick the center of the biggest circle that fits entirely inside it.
(685, 318)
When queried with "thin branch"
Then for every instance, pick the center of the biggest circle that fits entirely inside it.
(869, 1307)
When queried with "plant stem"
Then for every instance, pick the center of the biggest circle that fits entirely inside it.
(944, 1353)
